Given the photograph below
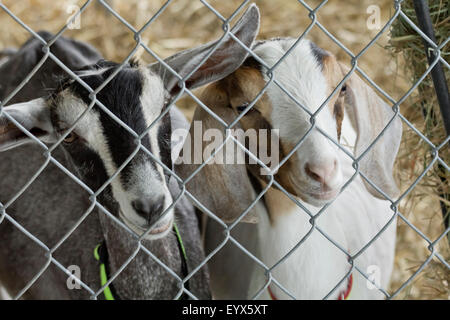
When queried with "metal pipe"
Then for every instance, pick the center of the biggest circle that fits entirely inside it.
(439, 81)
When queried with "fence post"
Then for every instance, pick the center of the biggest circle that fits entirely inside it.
(439, 82)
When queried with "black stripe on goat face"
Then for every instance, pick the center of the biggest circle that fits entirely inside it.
(136, 97)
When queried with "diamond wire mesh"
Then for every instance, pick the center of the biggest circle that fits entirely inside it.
(93, 194)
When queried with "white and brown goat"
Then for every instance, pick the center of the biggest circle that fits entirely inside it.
(313, 175)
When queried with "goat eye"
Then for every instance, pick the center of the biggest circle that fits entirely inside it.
(343, 90)
(242, 107)
(71, 138)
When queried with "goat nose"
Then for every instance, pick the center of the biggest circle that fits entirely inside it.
(321, 172)
(150, 210)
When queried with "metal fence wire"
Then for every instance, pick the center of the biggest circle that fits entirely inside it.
(93, 194)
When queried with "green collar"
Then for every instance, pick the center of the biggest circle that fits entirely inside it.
(101, 255)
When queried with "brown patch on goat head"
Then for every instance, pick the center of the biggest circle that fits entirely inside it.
(242, 87)
(334, 75)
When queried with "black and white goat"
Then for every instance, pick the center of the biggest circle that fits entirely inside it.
(302, 259)
(140, 195)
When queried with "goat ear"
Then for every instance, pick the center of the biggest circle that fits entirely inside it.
(225, 189)
(369, 114)
(225, 59)
(34, 116)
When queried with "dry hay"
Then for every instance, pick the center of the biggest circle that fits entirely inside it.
(422, 110)
(187, 23)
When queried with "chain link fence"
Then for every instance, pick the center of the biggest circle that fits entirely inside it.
(436, 149)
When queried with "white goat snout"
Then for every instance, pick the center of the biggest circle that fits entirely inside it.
(317, 173)
(322, 172)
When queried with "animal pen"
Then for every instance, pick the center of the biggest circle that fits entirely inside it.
(400, 48)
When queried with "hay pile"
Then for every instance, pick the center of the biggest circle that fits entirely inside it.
(422, 110)
(186, 23)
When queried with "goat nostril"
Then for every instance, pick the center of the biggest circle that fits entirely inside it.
(312, 174)
(142, 207)
(149, 209)
(158, 207)
(321, 173)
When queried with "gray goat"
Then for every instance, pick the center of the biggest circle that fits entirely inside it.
(140, 196)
